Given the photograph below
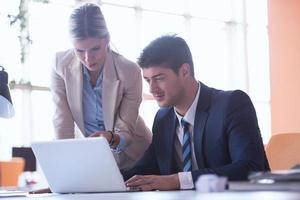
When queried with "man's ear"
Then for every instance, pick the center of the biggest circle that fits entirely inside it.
(107, 40)
(185, 69)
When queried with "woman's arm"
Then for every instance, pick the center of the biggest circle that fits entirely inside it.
(62, 120)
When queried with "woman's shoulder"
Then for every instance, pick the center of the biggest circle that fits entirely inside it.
(125, 68)
(123, 63)
(65, 57)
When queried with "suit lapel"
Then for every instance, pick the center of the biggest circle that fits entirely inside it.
(167, 147)
(200, 121)
(75, 87)
(110, 88)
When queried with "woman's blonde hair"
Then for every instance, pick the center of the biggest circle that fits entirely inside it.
(87, 21)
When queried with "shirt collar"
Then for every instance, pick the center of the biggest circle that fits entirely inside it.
(191, 112)
(86, 73)
(88, 77)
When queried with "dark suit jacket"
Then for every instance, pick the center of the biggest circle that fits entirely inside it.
(227, 139)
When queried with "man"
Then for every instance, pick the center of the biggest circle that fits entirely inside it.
(199, 130)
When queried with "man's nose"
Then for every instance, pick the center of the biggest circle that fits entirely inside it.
(152, 86)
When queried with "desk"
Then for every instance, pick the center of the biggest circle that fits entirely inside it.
(172, 195)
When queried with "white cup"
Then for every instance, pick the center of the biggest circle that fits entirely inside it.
(211, 183)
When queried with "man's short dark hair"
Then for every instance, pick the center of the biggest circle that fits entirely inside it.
(169, 50)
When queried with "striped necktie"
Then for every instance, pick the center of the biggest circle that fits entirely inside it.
(186, 147)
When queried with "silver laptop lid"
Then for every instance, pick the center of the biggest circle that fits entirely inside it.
(79, 165)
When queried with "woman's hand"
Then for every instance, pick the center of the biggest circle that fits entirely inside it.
(109, 135)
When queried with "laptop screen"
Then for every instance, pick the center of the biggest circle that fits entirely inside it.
(79, 165)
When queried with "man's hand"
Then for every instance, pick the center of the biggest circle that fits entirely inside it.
(153, 182)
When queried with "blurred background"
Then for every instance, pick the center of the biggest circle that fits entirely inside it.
(228, 38)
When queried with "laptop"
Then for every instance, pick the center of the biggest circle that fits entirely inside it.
(79, 165)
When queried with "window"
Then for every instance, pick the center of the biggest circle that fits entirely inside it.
(228, 40)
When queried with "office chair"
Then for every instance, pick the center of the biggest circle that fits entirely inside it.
(27, 154)
(283, 151)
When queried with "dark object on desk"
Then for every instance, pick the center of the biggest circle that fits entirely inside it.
(255, 186)
(296, 166)
(6, 107)
(291, 175)
(27, 154)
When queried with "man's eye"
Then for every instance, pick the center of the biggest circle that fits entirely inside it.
(159, 78)
(96, 49)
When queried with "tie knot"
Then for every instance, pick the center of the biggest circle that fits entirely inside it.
(184, 123)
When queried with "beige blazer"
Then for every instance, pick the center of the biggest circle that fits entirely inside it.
(121, 95)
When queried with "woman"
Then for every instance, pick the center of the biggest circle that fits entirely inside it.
(98, 89)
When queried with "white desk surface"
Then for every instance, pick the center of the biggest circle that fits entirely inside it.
(172, 195)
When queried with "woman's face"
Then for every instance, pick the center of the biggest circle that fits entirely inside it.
(91, 52)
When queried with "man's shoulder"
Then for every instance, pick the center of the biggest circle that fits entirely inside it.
(216, 98)
(164, 112)
(229, 99)
(218, 94)
(233, 94)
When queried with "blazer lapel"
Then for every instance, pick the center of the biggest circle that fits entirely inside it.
(75, 87)
(200, 121)
(110, 88)
(167, 147)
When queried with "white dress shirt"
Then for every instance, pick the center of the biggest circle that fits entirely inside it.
(185, 178)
